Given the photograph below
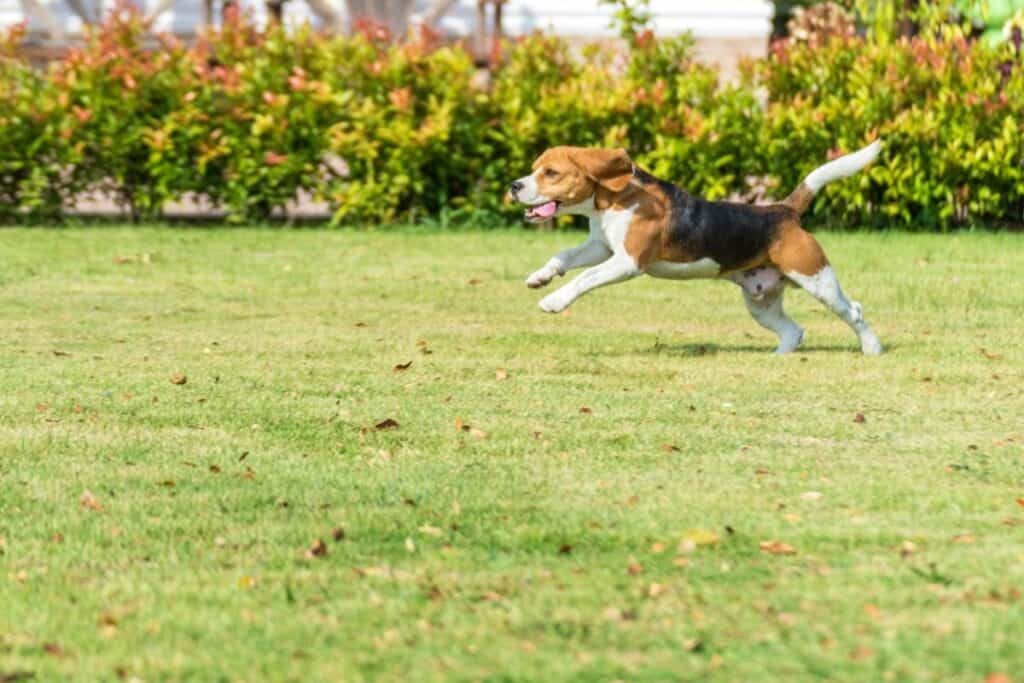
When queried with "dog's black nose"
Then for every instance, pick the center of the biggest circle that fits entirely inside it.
(515, 187)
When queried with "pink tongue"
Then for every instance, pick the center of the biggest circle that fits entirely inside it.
(546, 210)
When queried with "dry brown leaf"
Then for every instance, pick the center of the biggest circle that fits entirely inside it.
(178, 378)
(585, 410)
(42, 407)
(386, 424)
(859, 418)
(214, 469)
(655, 590)
(1020, 501)
(89, 501)
(473, 281)
(338, 534)
(565, 549)
(635, 568)
(501, 374)
(669, 448)
(317, 549)
(402, 367)
(777, 548)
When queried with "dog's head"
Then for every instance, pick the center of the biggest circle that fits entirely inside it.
(565, 180)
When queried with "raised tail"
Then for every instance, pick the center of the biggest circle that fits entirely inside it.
(842, 167)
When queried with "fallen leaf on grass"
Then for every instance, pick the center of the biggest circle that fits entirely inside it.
(965, 538)
(16, 676)
(214, 469)
(657, 548)
(990, 356)
(696, 538)
(430, 530)
(54, 650)
(565, 549)
(777, 548)
(338, 534)
(402, 367)
(477, 433)
(635, 568)
(655, 590)
(811, 495)
(89, 501)
(998, 678)
(178, 378)
(42, 407)
(585, 410)
(669, 448)
(386, 424)
(501, 374)
(859, 418)
(317, 549)
(1020, 501)
(473, 281)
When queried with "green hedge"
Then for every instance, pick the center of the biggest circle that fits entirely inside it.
(382, 132)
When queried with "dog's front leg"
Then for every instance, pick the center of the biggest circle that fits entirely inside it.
(590, 253)
(618, 268)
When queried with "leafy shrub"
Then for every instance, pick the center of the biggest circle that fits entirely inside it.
(251, 120)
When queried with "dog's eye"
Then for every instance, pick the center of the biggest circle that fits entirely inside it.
(550, 173)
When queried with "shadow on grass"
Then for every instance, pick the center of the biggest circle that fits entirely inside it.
(695, 350)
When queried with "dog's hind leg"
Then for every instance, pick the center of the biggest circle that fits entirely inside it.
(767, 310)
(824, 286)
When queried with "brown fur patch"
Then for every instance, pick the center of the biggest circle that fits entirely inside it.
(796, 250)
(800, 199)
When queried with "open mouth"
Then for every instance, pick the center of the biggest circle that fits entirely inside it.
(541, 212)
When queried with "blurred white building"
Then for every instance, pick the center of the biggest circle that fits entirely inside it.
(724, 29)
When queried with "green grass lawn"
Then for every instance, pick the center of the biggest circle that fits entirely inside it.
(577, 497)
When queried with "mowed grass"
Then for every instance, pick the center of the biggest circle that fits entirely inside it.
(579, 497)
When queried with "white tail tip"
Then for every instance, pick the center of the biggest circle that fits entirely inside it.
(843, 166)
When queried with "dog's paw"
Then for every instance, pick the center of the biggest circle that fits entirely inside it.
(541, 277)
(556, 302)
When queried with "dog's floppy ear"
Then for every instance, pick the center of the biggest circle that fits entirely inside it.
(609, 168)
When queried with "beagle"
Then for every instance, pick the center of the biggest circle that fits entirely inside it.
(642, 225)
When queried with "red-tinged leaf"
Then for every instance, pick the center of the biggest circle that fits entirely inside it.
(859, 418)
(178, 378)
(274, 159)
(777, 548)
(401, 367)
(998, 678)
(89, 501)
(634, 568)
(386, 424)
(1020, 501)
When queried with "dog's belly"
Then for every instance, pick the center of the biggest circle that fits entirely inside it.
(670, 270)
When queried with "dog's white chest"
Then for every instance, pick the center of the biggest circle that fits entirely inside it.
(703, 268)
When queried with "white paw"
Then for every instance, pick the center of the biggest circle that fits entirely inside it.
(556, 302)
(870, 345)
(541, 277)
